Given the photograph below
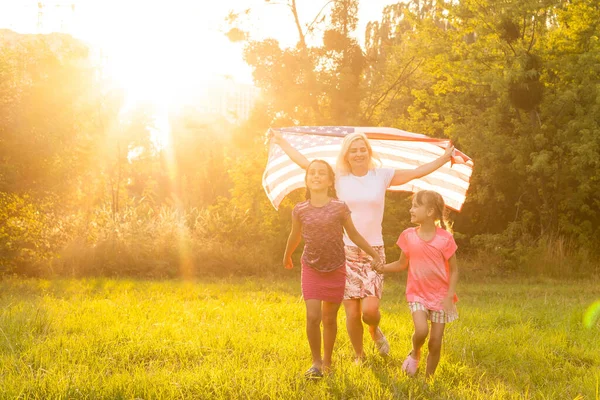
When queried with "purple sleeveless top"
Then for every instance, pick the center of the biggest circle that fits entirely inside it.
(323, 233)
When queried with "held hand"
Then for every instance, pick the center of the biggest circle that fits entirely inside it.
(287, 263)
(377, 265)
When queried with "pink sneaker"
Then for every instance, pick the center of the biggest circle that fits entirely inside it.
(410, 365)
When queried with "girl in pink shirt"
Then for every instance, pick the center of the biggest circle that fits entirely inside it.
(428, 252)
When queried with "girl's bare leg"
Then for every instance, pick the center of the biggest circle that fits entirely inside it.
(313, 331)
(435, 347)
(420, 334)
(371, 315)
(354, 325)
(329, 312)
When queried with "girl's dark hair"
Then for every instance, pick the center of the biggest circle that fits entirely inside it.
(331, 190)
(431, 199)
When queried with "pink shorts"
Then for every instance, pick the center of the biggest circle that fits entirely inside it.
(325, 286)
(361, 280)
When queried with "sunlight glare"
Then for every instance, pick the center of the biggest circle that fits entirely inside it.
(592, 315)
(161, 55)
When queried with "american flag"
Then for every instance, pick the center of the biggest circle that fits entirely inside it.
(396, 148)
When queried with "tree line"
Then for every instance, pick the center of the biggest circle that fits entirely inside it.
(515, 85)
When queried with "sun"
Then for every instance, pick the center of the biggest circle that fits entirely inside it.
(160, 58)
(159, 54)
(159, 73)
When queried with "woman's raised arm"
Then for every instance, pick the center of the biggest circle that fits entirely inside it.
(292, 153)
(401, 176)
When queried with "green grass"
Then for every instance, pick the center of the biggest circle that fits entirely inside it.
(230, 339)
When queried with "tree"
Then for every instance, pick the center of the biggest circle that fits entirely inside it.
(511, 84)
(312, 84)
(47, 89)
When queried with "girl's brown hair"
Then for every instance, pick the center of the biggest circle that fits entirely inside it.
(331, 190)
(434, 200)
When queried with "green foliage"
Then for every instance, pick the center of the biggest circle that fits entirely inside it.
(48, 94)
(515, 252)
(85, 190)
(316, 84)
(196, 160)
(495, 78)
(25, 234)
(162, 242)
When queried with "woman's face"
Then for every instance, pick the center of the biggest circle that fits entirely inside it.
(358, 155)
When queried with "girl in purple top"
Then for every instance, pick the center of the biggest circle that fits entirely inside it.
(320, 221)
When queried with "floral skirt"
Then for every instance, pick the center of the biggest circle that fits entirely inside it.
(361, 280)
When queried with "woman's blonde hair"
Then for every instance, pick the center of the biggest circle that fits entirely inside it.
(342, 165)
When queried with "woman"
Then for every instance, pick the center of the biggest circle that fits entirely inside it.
(362, 185)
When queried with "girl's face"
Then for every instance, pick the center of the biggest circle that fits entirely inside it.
(317, 177)
(420, 213)
(358, 154)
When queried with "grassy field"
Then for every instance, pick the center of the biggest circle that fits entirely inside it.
(230, 339)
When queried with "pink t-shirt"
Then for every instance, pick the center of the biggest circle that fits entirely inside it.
(428, 269)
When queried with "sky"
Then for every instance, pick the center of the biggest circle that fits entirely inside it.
(175, 37)
(169, 53)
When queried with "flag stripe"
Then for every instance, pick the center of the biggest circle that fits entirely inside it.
(412, 150)
(423, 155)
(457, 174)
(442, 177)
(320, 152)
(421, 184)
(397, 149)
(454, 203)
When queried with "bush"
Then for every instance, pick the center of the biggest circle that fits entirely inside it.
(26, 233)
(165, 243)
(145, 241)
(513, 251)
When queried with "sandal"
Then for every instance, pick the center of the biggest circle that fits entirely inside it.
(382, 344)
(359, 361)
(313, 373)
